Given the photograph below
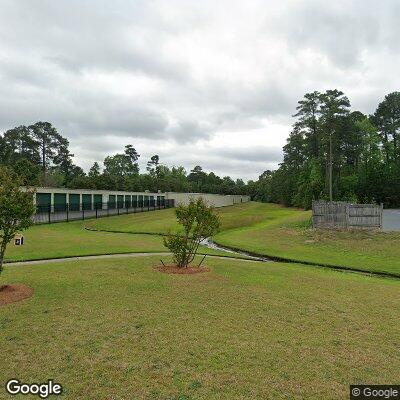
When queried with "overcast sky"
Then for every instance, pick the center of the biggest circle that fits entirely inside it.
(204, 82)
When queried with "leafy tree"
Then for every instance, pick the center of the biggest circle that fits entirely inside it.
(310, 185)
(63, 160)
(371, 154)
(334, 106)
(49, 142)
(152, 165)
(198, 221)
(387, 120)
(308, 111)
(18, 144)
(16, 209)
(197, 176)
(94, 171)
(118, 165)
(133, 155)
(40, 155)
(28, 171)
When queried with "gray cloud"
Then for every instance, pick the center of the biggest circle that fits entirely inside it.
(252, 154)
(197, 82)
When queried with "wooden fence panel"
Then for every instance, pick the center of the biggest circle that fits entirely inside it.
(343, 215)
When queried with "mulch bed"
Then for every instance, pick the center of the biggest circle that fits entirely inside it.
(173, 269)
(14, 292)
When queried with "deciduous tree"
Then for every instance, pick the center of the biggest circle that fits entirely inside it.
(198, 221)
(16, 208)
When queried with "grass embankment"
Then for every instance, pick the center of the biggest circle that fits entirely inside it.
(118, 329)
(290, 236)
(266, 229)
(162, 221)
(276, 231)
(72, 239)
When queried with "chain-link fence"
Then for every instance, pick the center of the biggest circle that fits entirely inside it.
(69, 212)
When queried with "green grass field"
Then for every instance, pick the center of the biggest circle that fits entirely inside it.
(276, 231)
(72, 239)
(161, 221)
(266, 229)
(117, 329)
(289, 236)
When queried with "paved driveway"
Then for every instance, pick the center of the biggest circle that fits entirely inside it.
(391, 220)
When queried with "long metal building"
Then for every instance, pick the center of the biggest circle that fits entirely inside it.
(89, 199)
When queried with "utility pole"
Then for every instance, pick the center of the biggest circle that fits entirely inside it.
(330, 167)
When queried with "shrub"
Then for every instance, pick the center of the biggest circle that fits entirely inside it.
(198, 221)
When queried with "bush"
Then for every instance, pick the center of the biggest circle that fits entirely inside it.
(198, 221)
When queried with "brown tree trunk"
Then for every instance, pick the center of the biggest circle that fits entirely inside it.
(2, 252)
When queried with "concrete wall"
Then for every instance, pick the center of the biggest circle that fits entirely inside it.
(216, 200)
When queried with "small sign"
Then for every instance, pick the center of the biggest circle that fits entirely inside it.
(18, 240)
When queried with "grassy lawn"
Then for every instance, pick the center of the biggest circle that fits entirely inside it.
(161, 221)
(288, 236)
(71, 239)
(267, 229)
(272, 230)
(117, 329)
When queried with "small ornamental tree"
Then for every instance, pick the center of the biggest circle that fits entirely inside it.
(198, 221)
(16, 209)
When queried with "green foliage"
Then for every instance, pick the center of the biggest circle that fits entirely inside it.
(309, 186)
(198, 221)
(387, 120)
(16, 209)
(41, 156)
(364, 152)
(38, 153)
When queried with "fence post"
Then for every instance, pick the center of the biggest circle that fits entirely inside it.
(49, 213)
(312, 215)
(83, 212)
(67, 209)
(95, 207)
(381, 218)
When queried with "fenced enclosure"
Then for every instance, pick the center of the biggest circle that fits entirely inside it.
(344, 215)
(69, 212)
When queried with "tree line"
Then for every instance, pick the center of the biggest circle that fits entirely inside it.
(332, 152)
(40, 155)
(336, 152)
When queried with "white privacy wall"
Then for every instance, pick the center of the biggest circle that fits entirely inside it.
(216, 200)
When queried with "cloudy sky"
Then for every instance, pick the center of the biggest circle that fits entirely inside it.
(198, 82)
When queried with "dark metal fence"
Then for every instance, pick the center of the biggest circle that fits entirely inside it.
(70, 212)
